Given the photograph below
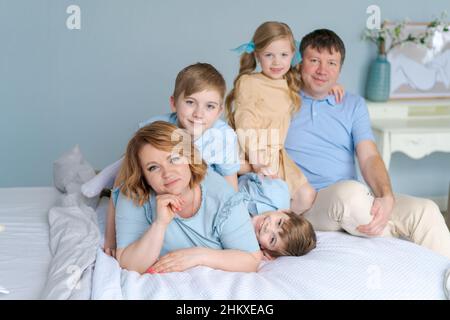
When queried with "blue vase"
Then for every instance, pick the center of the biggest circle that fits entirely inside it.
(378, 85)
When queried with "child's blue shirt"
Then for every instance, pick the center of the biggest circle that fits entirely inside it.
(218, 145)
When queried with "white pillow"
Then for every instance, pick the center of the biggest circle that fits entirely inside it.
(105, 179)
(70, 171)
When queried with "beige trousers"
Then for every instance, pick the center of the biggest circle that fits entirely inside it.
(346, 205)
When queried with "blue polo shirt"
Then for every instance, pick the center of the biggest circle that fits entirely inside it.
(323, 135)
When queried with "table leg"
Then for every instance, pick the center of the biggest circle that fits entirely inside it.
(386, 150)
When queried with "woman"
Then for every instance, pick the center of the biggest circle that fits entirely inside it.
(168, 202)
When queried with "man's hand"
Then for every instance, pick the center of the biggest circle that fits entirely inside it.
(381, 212)
(179, 260)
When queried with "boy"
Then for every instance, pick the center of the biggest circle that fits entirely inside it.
(280, 232)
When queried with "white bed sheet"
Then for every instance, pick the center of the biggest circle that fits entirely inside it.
(24, 244)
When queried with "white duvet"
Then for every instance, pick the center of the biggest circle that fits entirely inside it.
(342, 267)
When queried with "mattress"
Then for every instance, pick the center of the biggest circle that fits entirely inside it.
(24, 243)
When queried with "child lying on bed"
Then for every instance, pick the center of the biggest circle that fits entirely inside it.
(169, 202)
(265, 196)
(279, 232)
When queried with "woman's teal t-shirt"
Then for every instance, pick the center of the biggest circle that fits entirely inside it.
(222, 221)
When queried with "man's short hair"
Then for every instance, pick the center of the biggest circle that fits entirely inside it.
(321, 39)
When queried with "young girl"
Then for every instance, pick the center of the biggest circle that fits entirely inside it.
(261, 105)
(196, 105)
(169, 203)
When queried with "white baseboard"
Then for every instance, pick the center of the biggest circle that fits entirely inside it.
(442, 202)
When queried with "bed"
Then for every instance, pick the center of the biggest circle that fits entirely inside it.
(24, 243)
(51, 249)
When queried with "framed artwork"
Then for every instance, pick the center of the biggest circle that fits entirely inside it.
(421, 71)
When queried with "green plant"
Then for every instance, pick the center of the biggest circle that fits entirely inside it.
(394, 34)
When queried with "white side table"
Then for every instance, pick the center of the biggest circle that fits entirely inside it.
(414, 127)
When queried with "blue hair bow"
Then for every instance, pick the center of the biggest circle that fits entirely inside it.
(250, 47)
(246, 47)
(297, 56)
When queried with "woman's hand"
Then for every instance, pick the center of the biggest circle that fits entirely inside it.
(179, 260)
(166, 206)
(338, 91)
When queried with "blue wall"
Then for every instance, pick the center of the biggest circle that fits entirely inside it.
(61, 87)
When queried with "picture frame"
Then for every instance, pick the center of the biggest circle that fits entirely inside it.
(420, 71)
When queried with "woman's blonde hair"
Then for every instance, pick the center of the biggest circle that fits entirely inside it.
(298, 234)
(264, 35)
(163, 136)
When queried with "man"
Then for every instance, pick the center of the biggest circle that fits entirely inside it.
(323, 138)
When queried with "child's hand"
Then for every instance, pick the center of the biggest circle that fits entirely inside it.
(110, 245)
(166, 206)
(338, 91)
(110, 252)
(110, 249)
(265, 171)
(261, 165)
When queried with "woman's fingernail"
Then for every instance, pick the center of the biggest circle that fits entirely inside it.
(151, 270)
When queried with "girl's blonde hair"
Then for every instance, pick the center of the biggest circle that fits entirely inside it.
(264, 35)
(165, 137)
